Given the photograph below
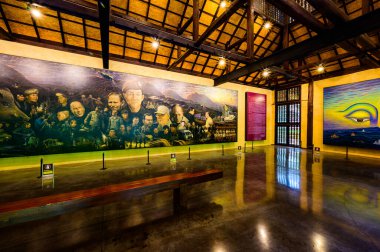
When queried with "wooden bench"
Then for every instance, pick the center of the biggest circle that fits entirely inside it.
(58, 204)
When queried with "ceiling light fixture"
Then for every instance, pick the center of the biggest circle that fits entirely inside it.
(320, 68)
(155, 43)
(267, 25)
(266, 72)
(223, 4)
(222, 62)
(35, 12)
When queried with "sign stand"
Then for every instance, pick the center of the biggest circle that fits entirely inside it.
(47, 175)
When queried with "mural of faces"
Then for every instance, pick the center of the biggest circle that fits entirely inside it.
(101, 110)
(77, 109)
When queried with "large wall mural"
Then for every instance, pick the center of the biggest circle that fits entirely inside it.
(351, 115)
(49, 107)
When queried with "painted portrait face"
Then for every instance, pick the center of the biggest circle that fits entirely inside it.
(32, 97)
(20, 98)
(135, 120)
(122, 128)
(114, 102)
(62, 99)
(124, 115)
(178, 112)
(62, 115)
(163, 119)
(148, 120)
(134, 98)
(77, 109)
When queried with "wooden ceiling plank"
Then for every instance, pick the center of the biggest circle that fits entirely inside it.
(294, 10)
(61, 29)
(230, 46)
(220, 20)
(250, 32)
(170, 56)
(5, 35)
(353, 28)
(84, 34)
(104, 20)
(196, 19)
(180, 26)
(6, 21)
(125, 22)
(337, 16)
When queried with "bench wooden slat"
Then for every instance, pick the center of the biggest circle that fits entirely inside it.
(138, 187)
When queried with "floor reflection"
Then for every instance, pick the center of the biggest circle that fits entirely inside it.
(270, 198)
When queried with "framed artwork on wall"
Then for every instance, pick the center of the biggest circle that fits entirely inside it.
(49, 107)
(351, 115)
(256, 109)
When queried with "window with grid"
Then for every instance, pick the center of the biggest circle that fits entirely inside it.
(288, 117)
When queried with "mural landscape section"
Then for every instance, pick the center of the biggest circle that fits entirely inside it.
(48, 107)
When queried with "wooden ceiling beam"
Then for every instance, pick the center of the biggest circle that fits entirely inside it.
(212, 27)
(250, 23)
(287, 73)
(182, 29)
(220, 20)
(5, 19)
(329, 9)
(294, 10)
(351, 29)
(195, 19)
(89, 11)
(104, 21)
(5, 35)
(237, 43)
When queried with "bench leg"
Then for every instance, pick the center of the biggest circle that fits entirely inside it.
(176, 200)
(179, 198)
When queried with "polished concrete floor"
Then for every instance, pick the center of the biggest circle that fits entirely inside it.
(270, 199)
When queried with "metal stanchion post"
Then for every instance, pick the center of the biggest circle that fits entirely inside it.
(189, 155)
(41, 163)
(104, 163)
(148, 163)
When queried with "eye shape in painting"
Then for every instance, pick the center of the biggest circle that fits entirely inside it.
(362, 113)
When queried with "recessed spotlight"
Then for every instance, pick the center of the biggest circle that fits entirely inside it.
(320, 68)
(265, 73)
(222, 62)
(35, 12)
(223, 4)
(267, 25)
(155, 43)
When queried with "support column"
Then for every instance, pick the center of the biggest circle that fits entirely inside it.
(310, 114)
(250, 24)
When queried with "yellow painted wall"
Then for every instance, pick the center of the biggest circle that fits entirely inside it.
(318, 110)
(17, 49)
(304, 113)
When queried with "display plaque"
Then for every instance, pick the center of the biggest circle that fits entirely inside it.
(255, 117)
